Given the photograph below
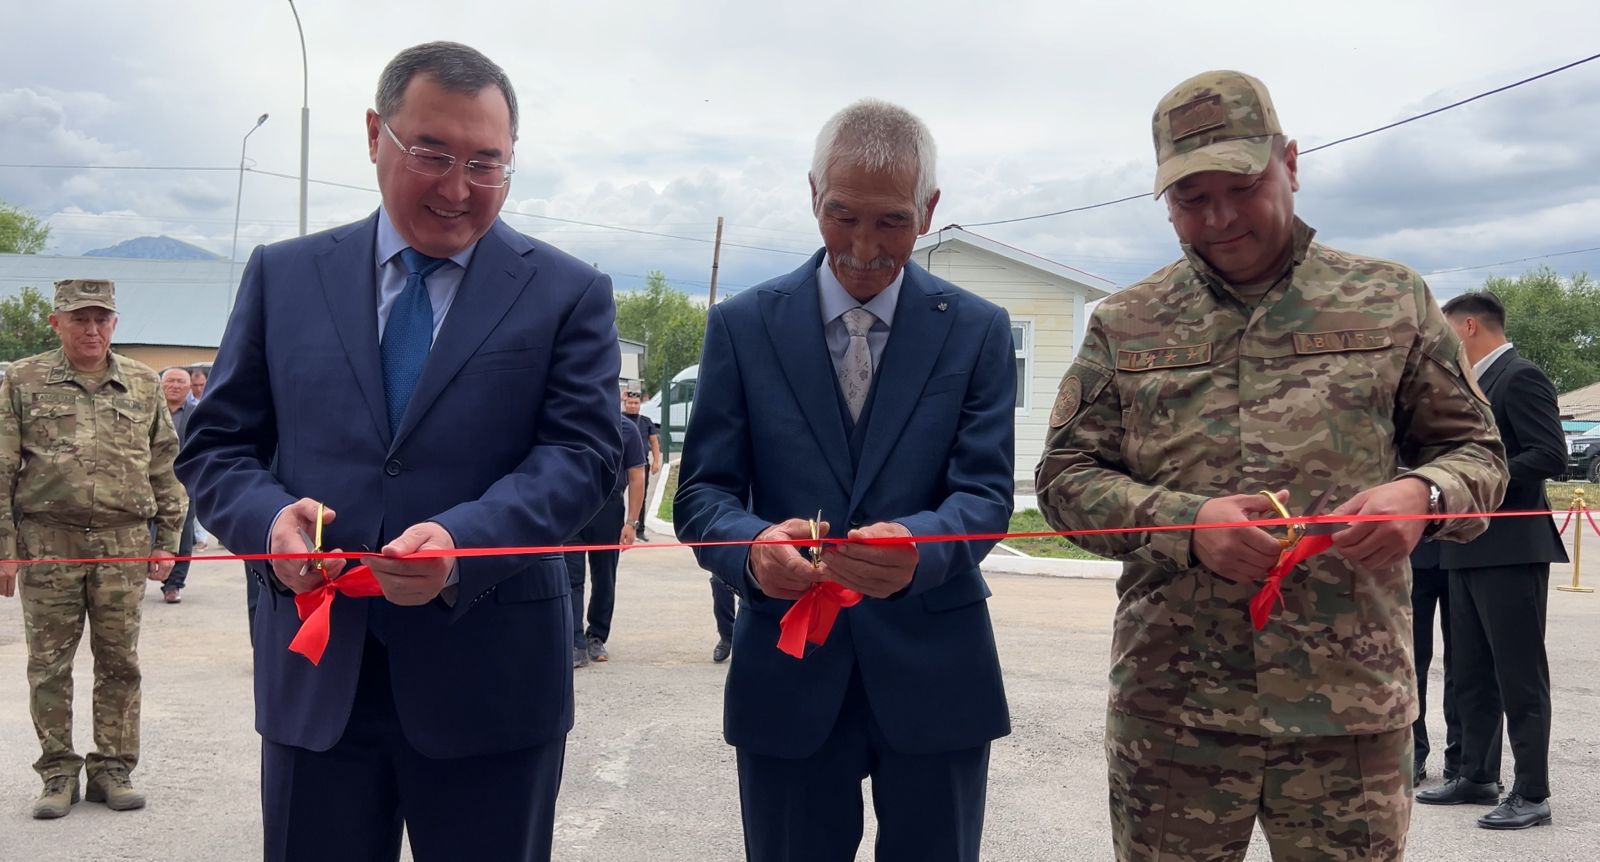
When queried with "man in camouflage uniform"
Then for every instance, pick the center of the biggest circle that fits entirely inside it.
(86, 452)
(1261, 361)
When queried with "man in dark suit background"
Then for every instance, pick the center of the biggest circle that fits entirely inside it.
(864, 386)
(440, 381)
(1430, 596)
(1499, 584)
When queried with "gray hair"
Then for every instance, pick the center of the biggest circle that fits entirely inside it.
(452, 65)
(878, 136)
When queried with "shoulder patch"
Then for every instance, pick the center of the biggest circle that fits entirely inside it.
(1181, 356)
(1068, 399)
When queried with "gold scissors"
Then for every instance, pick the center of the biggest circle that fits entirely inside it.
(314, 544)
(1293, 533)
(816, 537)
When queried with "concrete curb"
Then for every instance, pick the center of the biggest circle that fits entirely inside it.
(1001, 563)
(653, 524)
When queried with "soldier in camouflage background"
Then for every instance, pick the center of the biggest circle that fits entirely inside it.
(86, 452)
(1261, 360)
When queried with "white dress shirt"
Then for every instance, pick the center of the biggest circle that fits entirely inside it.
(835, 301)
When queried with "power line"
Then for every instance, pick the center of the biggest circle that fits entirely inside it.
(1515, 260)
(114, 167)
(1411, 119)
(614, 227)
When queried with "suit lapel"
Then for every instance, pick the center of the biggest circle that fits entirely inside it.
(495, 278)
(793, 316)
(922, 321)
(349, 275)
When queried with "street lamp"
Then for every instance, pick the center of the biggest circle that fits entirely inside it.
(305, 115)
(238, 198)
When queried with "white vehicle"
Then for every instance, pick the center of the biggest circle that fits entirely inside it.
(681, 390)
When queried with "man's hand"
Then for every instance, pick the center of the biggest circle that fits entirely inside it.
(158, 570)
(628, 535)
(299, 576)
(413, 582)
(1242, 553)
(780, 570)
(1379, 545)
(655, 465)
(878, 571)
(8, 579)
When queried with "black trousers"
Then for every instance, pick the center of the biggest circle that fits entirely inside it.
(179, 576)
(1497, 621)
(605, 528)
(724, 606)
(1430, 591)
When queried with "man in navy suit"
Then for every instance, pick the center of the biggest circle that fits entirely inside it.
(862, 386)
(439, 381)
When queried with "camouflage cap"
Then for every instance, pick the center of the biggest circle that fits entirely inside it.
(1215, 121)
(75, 293)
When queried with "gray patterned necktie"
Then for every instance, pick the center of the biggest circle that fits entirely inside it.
(855, 373)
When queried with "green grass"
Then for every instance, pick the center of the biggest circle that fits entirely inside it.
(1561, 494)
(1030, 521)
(665, 512)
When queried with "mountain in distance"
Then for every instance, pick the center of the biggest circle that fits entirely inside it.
(155, 248)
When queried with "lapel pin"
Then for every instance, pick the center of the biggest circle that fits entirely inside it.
(943, 306)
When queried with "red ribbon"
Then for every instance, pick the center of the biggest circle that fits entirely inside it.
(316, 605)
(812, 617)
(1270, 596)
(1564, 523)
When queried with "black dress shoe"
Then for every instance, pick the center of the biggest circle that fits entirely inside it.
(1461, 792)
(1517, 813)
(721, 651)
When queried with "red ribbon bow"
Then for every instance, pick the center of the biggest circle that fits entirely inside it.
(812, 617)
(316, 605)
(1271, 593)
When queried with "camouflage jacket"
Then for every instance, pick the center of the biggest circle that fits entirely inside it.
(1181, 393)
(80, 457)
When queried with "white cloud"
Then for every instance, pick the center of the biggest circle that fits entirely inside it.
(664, 116)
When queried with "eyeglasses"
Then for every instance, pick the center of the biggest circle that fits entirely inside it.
(489, 175)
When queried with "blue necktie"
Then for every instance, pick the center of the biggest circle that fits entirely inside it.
(408, 335)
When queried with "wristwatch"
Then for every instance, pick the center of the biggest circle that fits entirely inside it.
(1435, 507)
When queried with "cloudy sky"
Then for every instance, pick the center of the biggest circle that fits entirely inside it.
(659, 117)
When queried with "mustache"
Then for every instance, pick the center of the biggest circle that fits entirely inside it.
(884, 262)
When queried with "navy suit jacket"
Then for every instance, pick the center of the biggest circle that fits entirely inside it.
(510, 438)
(1525, 412)
(768, 441)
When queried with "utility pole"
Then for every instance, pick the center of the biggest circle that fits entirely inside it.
(716, 259)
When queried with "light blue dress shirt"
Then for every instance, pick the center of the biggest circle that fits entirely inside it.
(392, 274)
(835, 301)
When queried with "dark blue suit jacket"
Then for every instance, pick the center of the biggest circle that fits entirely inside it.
(767, 441)
(510, 438)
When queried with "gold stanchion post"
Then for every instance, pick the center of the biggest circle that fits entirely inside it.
(1580, 514)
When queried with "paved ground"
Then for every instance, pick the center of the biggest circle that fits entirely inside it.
(648, 777)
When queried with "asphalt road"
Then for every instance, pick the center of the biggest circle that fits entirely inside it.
(648, 776)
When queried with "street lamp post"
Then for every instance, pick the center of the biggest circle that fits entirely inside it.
(305, 115)
(238, 198)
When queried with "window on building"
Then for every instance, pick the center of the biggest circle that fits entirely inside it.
(1022, 344)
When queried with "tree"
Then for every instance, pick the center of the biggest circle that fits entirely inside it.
(667, 322)
(25, 325)
(1555, 323)
(21, 233)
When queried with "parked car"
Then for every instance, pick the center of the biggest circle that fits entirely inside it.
(1583, 458)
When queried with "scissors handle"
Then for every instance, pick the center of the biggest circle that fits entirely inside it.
(1292, 532)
